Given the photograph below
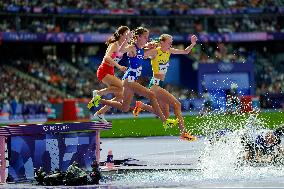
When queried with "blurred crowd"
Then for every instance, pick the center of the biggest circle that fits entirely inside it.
(260, 24)
(176, 6)
(270, 79)
(21, 96)
(166, 24)
(60, 74)
(48, 25)
(156, 26)
(220, 52)
(28, 85)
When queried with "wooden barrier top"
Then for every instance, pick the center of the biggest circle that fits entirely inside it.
(45, 128)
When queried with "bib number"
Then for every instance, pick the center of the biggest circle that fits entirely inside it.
(137, 72)
(116, 60)
(131, 78)
(163, 68)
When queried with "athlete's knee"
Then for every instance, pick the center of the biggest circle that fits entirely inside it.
(125, 108)
(177, 105)
(166, 114)
(118, 96)
(152, 95)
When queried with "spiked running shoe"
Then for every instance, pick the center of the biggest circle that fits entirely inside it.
(94, 102)
(170, 123)
(137, 109)
(100, 118)
(187, 136)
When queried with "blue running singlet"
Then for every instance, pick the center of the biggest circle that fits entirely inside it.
(135, 66)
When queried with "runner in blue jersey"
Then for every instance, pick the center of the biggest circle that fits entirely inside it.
(136, 56)
(265, 148)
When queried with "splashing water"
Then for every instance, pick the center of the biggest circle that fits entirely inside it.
(223, 156)
(220, 160)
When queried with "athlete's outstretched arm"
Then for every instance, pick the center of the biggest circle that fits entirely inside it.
(193, 40)
(151, 53)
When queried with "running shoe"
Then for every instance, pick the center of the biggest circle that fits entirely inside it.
(100, 117)
(94, 102)
(137, 108)
(187, 136)
(170, 123)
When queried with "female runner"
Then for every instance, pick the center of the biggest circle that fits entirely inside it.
(116, 48)
(160, 63)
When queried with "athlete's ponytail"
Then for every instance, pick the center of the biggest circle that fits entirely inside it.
(117, 34)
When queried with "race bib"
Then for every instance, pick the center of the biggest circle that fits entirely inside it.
(131, 78)
(116, 59)
(163, 68)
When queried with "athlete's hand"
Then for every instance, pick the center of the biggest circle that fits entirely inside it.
(151, 45)
(193, 39)
(131, 54)
(122, 68)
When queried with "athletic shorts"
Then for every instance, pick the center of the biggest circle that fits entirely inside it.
(103, 70)
(155, 81)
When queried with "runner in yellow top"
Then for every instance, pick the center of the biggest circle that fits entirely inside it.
(160, 62)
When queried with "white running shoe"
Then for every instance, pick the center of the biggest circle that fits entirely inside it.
(100, 118)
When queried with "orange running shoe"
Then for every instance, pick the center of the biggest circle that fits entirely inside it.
(187, 136)
(137, 109)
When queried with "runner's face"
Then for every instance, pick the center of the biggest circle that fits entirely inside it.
(167, 44)
(143, 38)
(123, 37)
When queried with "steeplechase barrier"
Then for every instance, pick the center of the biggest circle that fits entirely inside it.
(24, 147)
